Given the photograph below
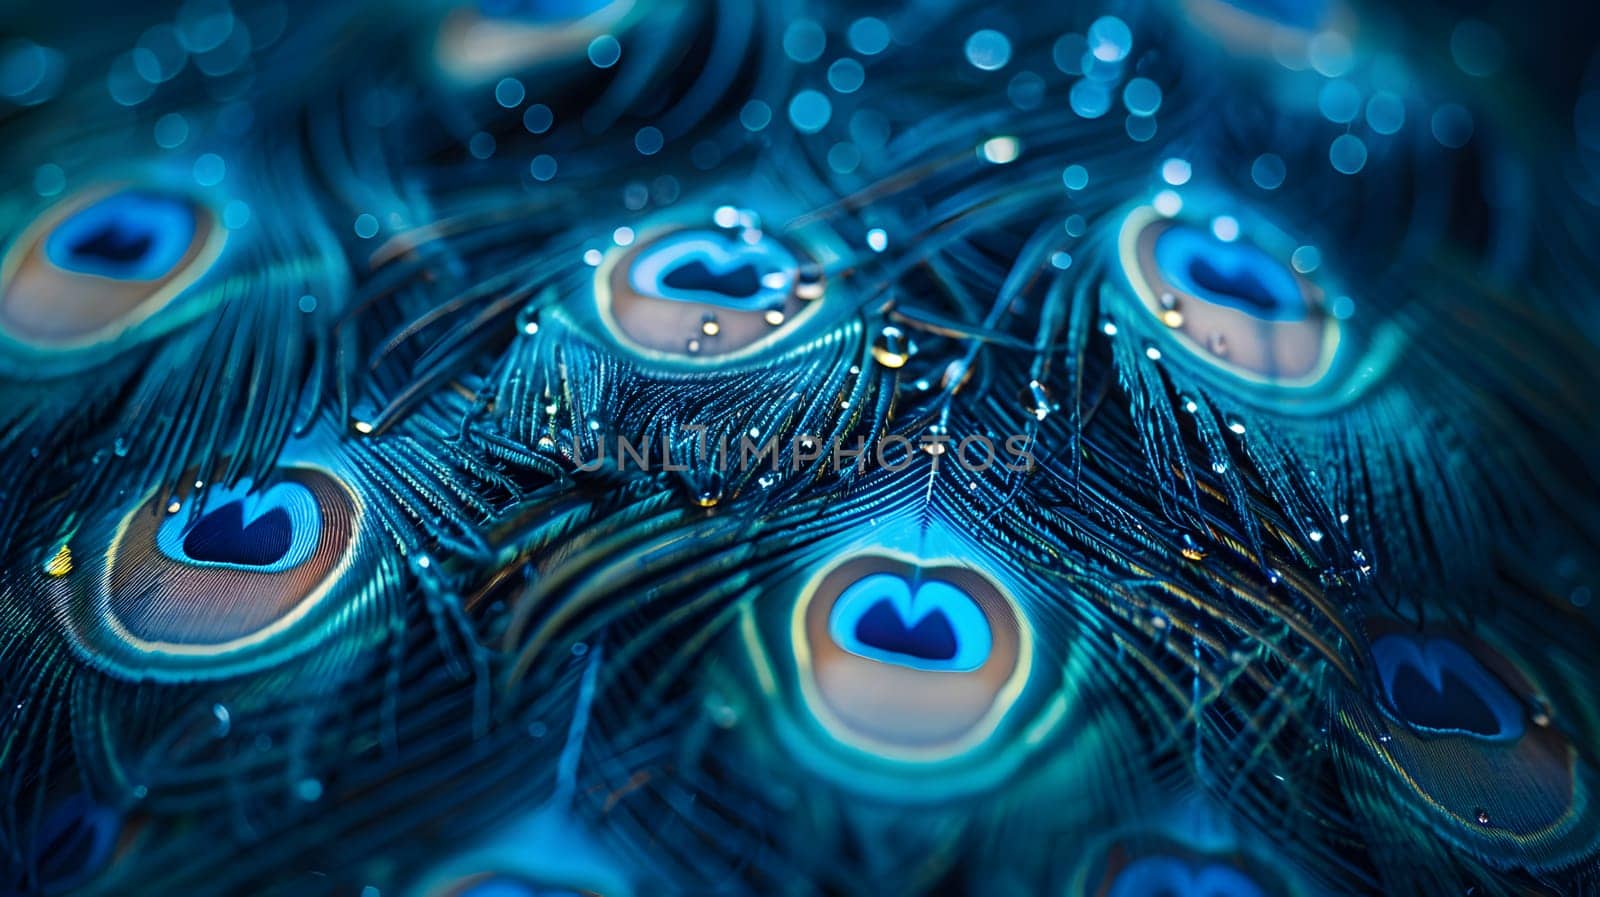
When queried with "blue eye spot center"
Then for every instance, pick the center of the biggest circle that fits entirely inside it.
(1435, 685)
(1236, 275)
(738, 283)
(223, 537)
(716, 268)
(130, 235)
(112, 244)
(1240, 284)
(932, 626)
(266, 532)
(930, 638)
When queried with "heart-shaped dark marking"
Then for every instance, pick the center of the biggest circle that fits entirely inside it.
(740, 282)
(1436, 685)
(128, 235)
(221, 536)
(1241, 284)
(1233, 274)
(118, 241)
(932, 638)
(1452, 705)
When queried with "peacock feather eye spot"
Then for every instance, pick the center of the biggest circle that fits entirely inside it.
(188, 585)
(102, 262)
(270, 531)
(936, 626)
(1449, 727)
(905, 659)
(733, 285)
(715, 268)
(1162, 875)
(1231, 302)
(1230, 274)
(1436, 686)
(249, 559)
(131, 235)
(224, 537)
(706, 292)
